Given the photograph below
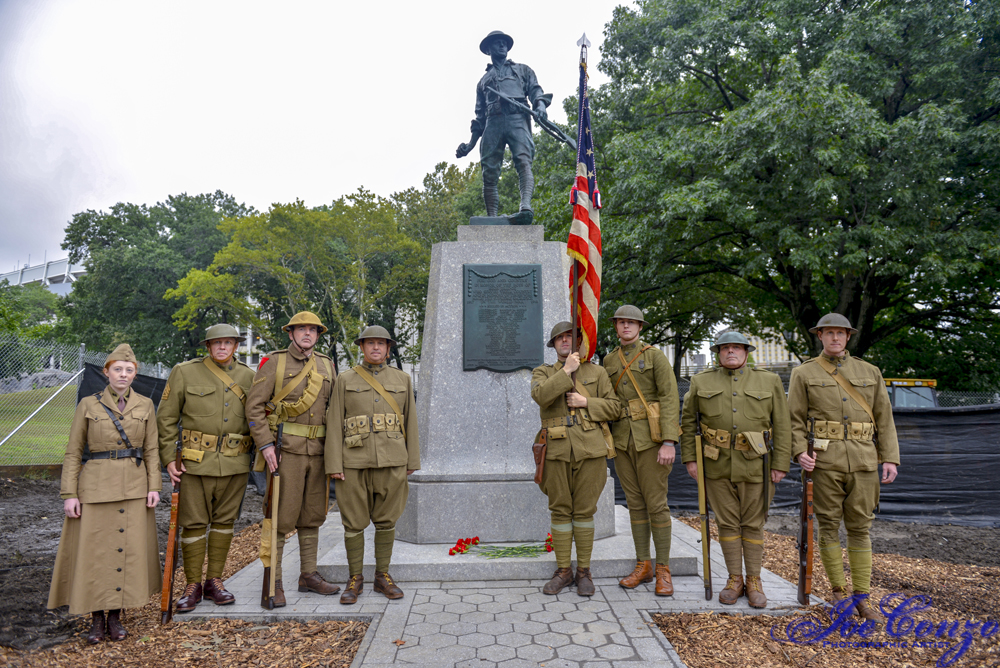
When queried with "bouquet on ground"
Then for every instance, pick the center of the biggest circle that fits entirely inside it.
(466, 545)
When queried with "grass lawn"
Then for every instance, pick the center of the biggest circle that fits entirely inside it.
(43, 439)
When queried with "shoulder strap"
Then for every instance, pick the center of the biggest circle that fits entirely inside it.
(621, 375)
(632, 378)
(283, 392)
(377, 386)
(844, 383)
(118, 425)
(226, 380)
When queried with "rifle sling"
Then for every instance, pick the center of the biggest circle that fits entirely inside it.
(622, 374)
(377, 386)
(226, 380)
(847, 387)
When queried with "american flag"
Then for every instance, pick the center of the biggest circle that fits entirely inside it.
(584, 244)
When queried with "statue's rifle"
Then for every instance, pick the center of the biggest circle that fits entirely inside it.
(706, 546)
(551, 128)
(271, 525)
(170, 555)
(806, 520)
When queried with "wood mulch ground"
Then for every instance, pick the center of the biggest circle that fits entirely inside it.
(215, 643)
(968, 595)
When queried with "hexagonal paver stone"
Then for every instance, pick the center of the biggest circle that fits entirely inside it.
(593, 606)
(514, 639)
(414, 619)
(477, 617)
(575, 653)
(511, 616)
(477, 640)
(530, 628)
(545, 617)
(437, 640)
(616, 651)
(449, 656)
(535, 652)
(459, 608)
(444, 598)
(475, 663)
(567, 627)
(422, 629)
(458, 628)
(420, 598)
(427, 608)
(605, 628)
(509, 598)
(517, 663)
(588, 639)
(441, 618)
(477, 598)
(552, 639)
(495, 628)
(495, 653)
(581, 616)
(555, 606)
(527, 606)
(494, 606)
(597, 664)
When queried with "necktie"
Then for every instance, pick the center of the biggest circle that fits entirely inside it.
(121, 404)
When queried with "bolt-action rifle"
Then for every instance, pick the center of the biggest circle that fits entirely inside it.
(269, 529)
(706, 546)
(806, 519)
(170, 555)
(550, 128)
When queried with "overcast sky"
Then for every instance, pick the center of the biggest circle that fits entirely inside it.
(104, 102)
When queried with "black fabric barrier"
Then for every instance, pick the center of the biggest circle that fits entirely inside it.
(949, 473)
(94, 381)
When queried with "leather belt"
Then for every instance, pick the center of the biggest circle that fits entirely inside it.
(117, 454)
(567, 421)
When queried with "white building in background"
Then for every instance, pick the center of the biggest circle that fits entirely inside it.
(58, 275)
(771, 350)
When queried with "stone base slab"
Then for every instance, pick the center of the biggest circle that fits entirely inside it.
(613, 557)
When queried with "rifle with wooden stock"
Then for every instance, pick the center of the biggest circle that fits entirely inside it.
(706, 546)
(806, 520)
(170, 554)
(269, 528)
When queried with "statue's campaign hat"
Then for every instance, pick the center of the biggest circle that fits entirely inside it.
(484, 46)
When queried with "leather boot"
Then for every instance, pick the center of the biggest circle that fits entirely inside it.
(584, 582)
(664, 585)
(191, 597)
(734, 589)
(216, 592)
(315, 583)
(643, 573)
(354, 589)
(865, 611)
(115, 629)
(561, 578)
(385, 585)
(839, 594)
(279, 594)
(96, 634)
(755, 592)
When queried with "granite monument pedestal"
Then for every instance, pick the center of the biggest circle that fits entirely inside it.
(477, 427)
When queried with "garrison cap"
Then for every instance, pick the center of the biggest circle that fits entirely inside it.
(222, 331)
(374, 332)
(123, 353)
(559, 328)
(731, 337)
(484, 46)
(833, 320)
(305, 318)
(629, 312)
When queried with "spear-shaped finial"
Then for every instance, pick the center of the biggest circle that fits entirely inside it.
(583, 41)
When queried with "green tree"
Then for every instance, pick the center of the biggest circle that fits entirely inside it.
(828, 157)
(133, 255)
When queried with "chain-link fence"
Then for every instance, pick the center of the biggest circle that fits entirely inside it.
(38, 387)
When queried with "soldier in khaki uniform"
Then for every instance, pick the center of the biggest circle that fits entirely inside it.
(738, 406)
(575, 468)
(292, 387)
(207, 396)
(649, 404)
(852, 438)
(371, 448)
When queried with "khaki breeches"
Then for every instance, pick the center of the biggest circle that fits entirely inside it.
(305, 492)
(738, 505)
(573, 488)
(644, 482)
(206, 500)
(850, 497)
(372, 495)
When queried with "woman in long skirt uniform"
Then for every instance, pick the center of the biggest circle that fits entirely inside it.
(108, 555)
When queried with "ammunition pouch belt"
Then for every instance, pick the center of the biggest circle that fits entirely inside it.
(827, 430)
(196, 443)
(720, 438)
(116, 454)
(367, 424)
(567, 421)
(304, 430)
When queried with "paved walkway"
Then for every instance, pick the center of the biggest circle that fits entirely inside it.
(508, 624)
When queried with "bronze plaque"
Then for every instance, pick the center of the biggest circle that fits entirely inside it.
(502, 323)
